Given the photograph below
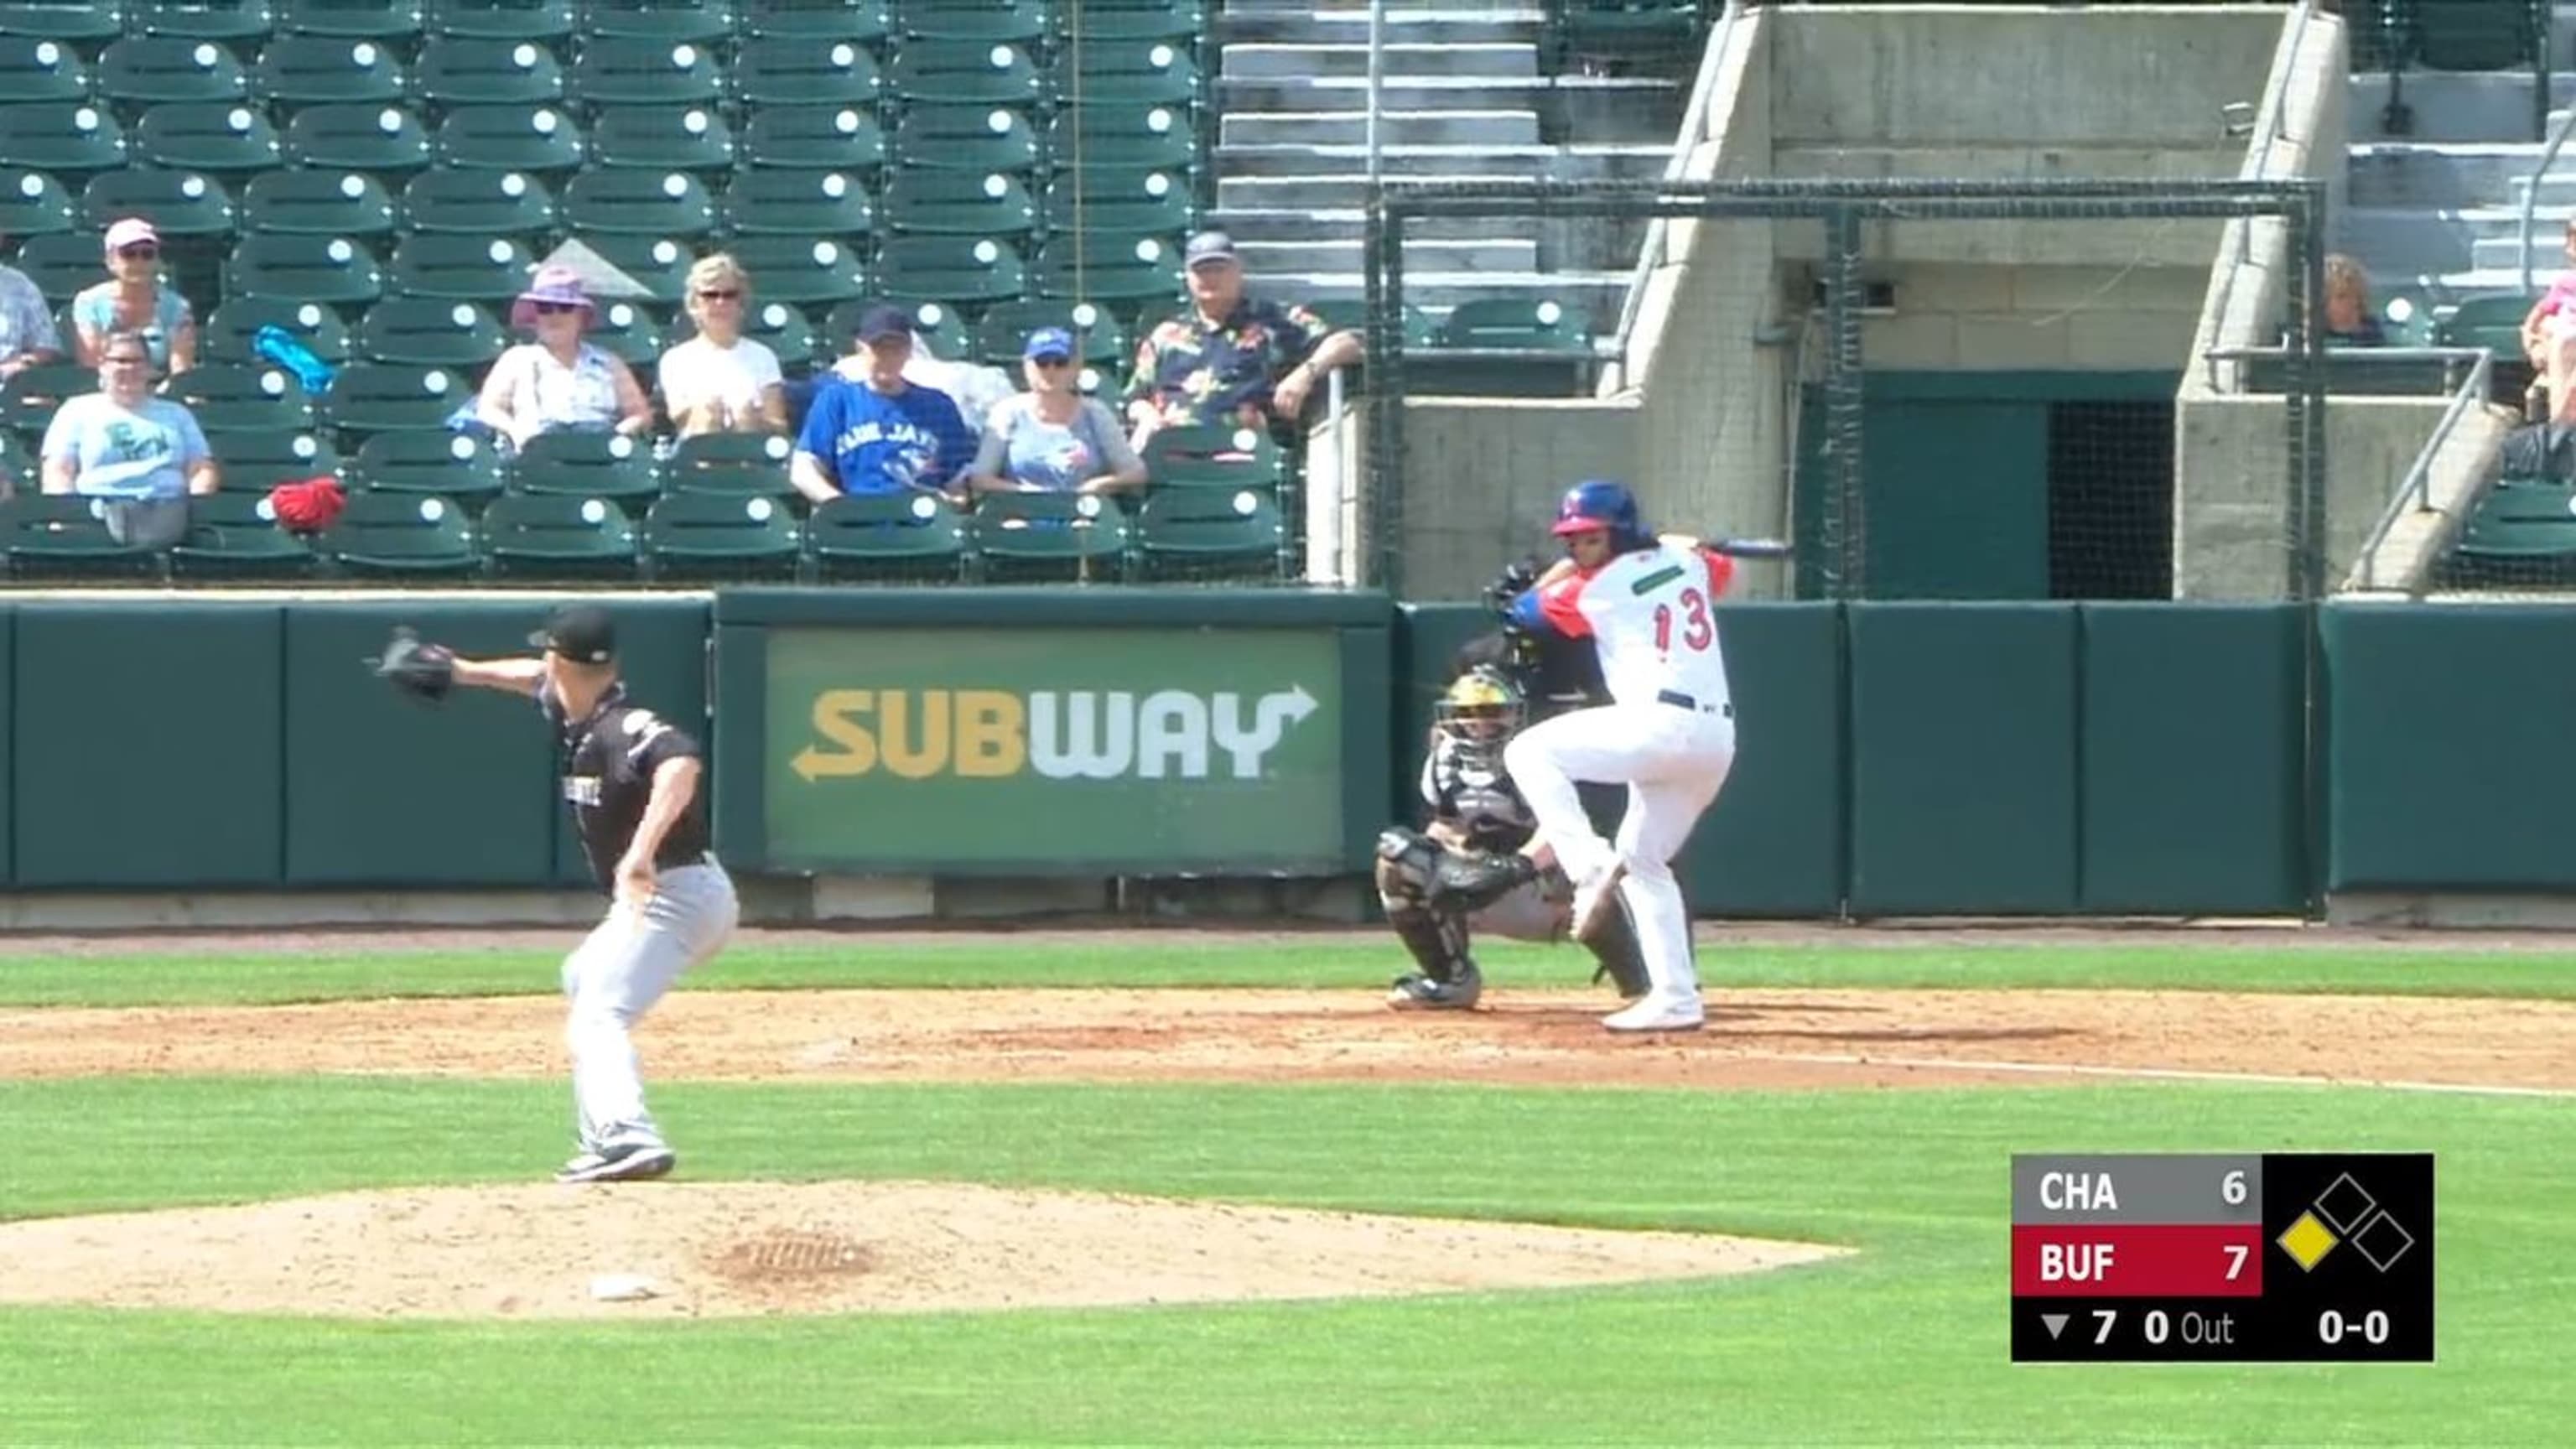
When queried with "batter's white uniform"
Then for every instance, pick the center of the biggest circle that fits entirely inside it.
(1668, 735)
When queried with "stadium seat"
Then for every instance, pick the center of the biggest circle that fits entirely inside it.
(235, 536)
(668, 203)
(791, 70)
(587, 465)
(1109, 203)
(330, 203)
(710, 538)
(382, 140)
(784, 330)
(958, 203)
(244, 396)
(207, 136)
(1200, 534)
(391, 397)
(558, 536)
(429, 333)
(402, 535)
(535, 139)
(228, 334)
(631, 71)
(1049, 537)
(34, 68)
(934, 322)
(866, 22)
(60, 264)
(663, 138)
(802, 271)
(1105, 22)
(34, 203)
(61, 137)
(31, 394)
(698, 21)
(458, 466)
(1213, 456)
(1124, 142)
(538, 20)
(2487, 319)
(255, 460)
(18, 464)
(61, 536)
(1132, 73)
(625, 330)
(730, 465)
(658, 264)
(989, 22)
(944, 269)
(1619, 30)
(227, 20)
(966, 138)
(177, 203)
(974, 73)
(814, 138)
(1109, 269)
(470, 201)
(886, 538)
(310, 70)
(2477, 35)
(394, 22)
(767, 202)
(1002, 333)
(63, 20)
(146, 70)
(330, 270)
(472, 71)
(1532, 324)
(2529, 500)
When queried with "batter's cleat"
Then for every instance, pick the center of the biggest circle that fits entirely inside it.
(1418, 992)
(1659, 1013)
(628, 1162)
(1593, 895)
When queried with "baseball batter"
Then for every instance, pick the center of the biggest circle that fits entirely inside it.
(633, 780)
(1668, 734)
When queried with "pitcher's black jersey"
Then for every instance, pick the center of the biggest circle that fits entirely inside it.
(607, 760)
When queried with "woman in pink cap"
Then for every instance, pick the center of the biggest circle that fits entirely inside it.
(560, 383)
(136, 301)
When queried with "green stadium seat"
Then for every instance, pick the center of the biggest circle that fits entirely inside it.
(395, 22)
(207, 136)
(795, 70)
(802, 271)
(587, 465)
(535, 139)
(1207, 534)
(1534, 324)
(312, 70)
(430, 333)
(663, 138)
(35, 68)
(730, 465)
(61, 536)
(1128, 74)
(1213, 456)
(31, 394)
(934, 322)
(253, 461)
(329, 203)
(61, 264)
(382, 140)
(814, 138)
(2470, 35)
(402, 535)
(227, 20)
(2529, 501)
(958, 203)
(989, 22)
(629, 71)
(539, 20)
(1099, 338)
(235, 536)
(471, 71)
(60, 137)
(1620, 30)
(2488, 319)
(471, 201)
(177, 203)
(457, 466)
(486, 270)
(392, 397)
(710, 538)
(945, 269)
(228, 334)
(963, 73)
(63, 20)
(34, 203)
(966, 138)
(768, 202)
(886, 538)
(1105, 22)
(333, 271)
(2406, 318)
(658, 264)
(1109, 268)
(1137, 203)
(698, 21)
(145, 70)
(668, 203)
(784, 330)
(1124, 142)
(558, 536)
(243, 396)
(18, 467)
(866, 22)
(625, 330)
(1049, 537)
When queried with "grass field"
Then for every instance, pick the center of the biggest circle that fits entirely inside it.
(1904, 1342)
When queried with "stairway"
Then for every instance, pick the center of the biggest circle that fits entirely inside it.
(1463, 98)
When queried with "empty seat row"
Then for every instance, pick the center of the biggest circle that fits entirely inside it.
(97, 22)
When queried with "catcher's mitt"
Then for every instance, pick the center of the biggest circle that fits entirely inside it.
(1463, 880)
(425, 672)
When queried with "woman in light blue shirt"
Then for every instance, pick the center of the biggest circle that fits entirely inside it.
(137, 301)
(1051, 438)
(142, 456)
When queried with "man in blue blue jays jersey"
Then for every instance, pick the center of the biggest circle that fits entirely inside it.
(881, 434)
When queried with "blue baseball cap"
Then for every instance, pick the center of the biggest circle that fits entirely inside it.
(1049, 342)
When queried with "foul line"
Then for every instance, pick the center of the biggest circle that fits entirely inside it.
(2161, 1074)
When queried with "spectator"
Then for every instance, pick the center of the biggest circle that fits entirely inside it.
(2350, 319)
(2549, 343)
(721, 381)
(1052, 438)
(136, 301)
(559, 383)
(1234, 356)
(27, 334)
(875, 432)
(141, 453)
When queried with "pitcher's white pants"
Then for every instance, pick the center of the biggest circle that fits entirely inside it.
(615, 975)
(1673, 762)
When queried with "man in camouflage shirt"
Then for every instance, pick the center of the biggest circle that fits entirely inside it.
(1232, 358)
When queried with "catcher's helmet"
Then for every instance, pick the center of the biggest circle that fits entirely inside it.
(1601, 503)
(1482, 707)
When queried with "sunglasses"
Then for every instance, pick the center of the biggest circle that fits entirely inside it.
(1052, 361)
(720, 294)
(556, 309)
(140, 251)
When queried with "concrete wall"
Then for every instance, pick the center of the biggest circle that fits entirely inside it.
(1483, 476)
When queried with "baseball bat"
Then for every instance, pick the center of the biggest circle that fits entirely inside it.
(1748, 547)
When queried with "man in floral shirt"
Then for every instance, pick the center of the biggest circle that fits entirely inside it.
(1232, 358)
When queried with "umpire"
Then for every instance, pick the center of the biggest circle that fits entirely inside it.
(634, 782)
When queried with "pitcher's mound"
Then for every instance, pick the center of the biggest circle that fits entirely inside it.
(728, 1249)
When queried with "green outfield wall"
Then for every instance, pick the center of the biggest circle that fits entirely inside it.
(1895, 759)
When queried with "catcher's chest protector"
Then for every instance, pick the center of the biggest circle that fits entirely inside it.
(1472, 790)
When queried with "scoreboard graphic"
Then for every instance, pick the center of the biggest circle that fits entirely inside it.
(2248, 1257)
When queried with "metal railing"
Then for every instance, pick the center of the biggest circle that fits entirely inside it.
(1694, 129)
(2451, 358)
(2531, 187)
(2416, 488)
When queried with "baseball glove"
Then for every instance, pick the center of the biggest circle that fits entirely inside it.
(425, 672)
(1470, 880)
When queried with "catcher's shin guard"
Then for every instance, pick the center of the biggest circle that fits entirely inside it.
(1437, 942)
(1613, 943)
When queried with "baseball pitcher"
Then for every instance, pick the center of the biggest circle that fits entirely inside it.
(1473, 809)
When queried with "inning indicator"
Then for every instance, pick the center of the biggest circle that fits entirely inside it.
(2248, 1257)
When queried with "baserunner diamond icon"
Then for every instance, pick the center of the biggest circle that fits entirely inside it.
(2307, 1241)
(2343, 1204)
(2383, 1241)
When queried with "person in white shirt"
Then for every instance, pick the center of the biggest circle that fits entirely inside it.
(721, 381)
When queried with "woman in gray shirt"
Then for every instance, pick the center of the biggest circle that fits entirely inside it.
(1052, 438)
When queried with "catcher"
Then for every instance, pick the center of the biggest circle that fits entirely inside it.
(1435, 882)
